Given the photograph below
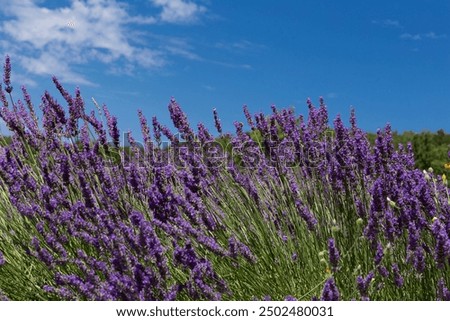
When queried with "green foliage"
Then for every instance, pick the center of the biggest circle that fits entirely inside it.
(4, 140)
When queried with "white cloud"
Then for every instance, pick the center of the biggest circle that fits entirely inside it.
(240, 46)
(388, 23)
(432, 35)
(420, 36)
(52, 41)
(48, 63)
(231, 65)
(391, 23)
(179, 11)
(62, 39)
(411, 36)
(406, 35)
(180, 47)
(24, 80)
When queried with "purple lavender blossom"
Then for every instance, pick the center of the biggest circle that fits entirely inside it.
(419, 259)
(233, 247)
(180, 120)
(68, 98)
(171, 295)
(112, 127)
(442, 248)
(333, 254)
(330, 291)
(185, 256)
(398, 279)
(383, 271)
(378, 254)
(248, 116)
(2, 259)
(144, 128)
(7, 75)
(360, 209)
(391, 225)
(363, 284)
(5, 103)
(42, 253)
(413, 236)
(156, 130)
(443, 293)
(217, 121)
(306, 214)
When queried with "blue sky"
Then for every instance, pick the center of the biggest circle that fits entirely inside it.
(390, 60)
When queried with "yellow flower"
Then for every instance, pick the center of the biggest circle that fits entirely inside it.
(447, 165)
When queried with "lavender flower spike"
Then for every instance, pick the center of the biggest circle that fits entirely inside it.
(379, 254)
(330, 291)
(333, 253)
(7, 75)
(363, 285)
(443, 293)
(217, 121)
(398, 279)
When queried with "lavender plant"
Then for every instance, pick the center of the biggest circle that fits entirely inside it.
(290, 208)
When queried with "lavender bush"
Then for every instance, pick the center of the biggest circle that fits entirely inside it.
(289, 207)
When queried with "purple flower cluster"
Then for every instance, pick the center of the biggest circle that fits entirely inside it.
(443, 293)
(330, 291)
(363, 283)
(7, 75)
(398, 279)
(333, 254)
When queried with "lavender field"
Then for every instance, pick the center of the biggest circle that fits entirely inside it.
(288, 207)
